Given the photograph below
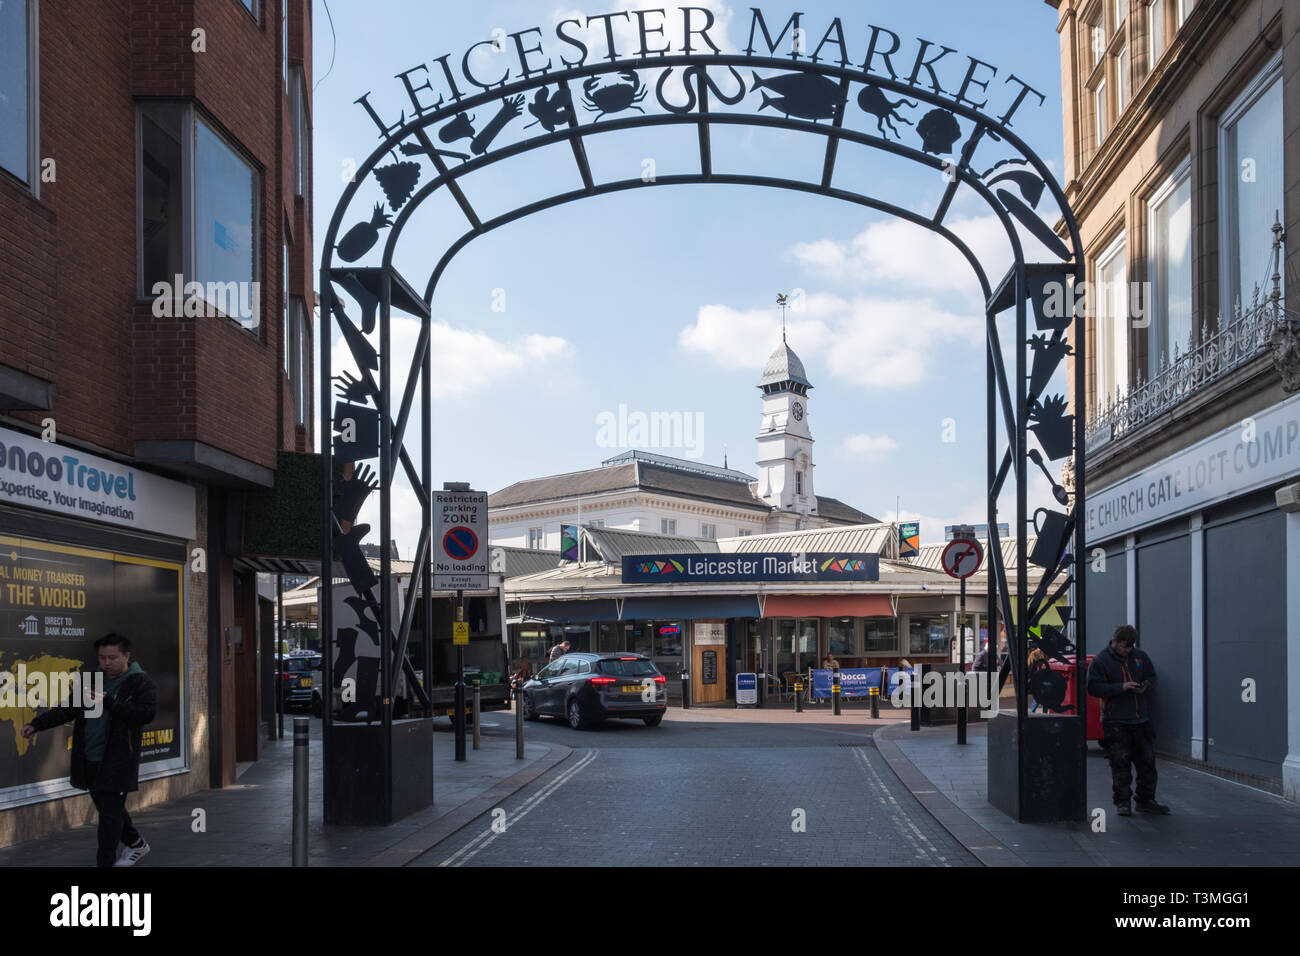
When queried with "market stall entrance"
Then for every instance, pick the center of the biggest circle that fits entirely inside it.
(919, 102)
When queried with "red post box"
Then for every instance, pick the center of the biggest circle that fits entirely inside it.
(1093, 726)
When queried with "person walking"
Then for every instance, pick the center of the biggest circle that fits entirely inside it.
(106, 746)
(1123, 676)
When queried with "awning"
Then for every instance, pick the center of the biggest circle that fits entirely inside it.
(566, 612)
(687, 606)
(828, 605)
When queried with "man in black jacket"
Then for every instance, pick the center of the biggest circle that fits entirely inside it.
(1122, 676)
(106, 746)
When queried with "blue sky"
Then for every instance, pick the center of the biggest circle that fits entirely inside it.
(662, 299)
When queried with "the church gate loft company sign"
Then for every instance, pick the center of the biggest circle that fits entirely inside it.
(629, 35)
(773, 566)
(1251, 454)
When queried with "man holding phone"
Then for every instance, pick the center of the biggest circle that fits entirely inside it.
(106, 746)
(1123, 676)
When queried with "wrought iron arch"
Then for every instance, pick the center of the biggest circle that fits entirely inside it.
(815, 98)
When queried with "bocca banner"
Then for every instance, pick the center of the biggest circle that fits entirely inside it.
(55, 601)
(854, 681)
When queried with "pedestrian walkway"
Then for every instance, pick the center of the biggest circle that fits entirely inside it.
(1214, 822)
(251, 823)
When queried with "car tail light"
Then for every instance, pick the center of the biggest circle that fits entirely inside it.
(288, 675)
(629, 658)
(661, 679)
(602, 680)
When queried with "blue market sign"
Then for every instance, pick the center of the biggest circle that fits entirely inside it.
(773, 566)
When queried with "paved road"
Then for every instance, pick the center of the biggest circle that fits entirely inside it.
(704, 788)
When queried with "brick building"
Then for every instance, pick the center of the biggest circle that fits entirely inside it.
(1182, 119)
(155, 362)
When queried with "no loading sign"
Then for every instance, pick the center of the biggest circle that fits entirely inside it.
(460, 530)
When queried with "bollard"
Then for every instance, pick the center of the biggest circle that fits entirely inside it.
(519, 724)
(476, 714)
(921, 670)
(835, 691)
(913, 695)
(798, 697)
(686, 691)
(875, 703)
(301, 767)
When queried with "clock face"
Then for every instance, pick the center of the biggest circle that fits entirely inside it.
(797, 411)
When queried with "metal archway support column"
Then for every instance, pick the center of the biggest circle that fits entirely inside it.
(363, 743)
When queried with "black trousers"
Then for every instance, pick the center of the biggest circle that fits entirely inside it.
(1131, 744)
(114, 822)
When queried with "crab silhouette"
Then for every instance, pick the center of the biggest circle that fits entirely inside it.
(616, 97)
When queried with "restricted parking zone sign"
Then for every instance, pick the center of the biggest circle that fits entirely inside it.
(460, 531)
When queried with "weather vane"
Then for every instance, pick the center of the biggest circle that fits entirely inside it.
(781, 301)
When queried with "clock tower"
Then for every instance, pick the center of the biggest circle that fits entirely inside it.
(785, 443)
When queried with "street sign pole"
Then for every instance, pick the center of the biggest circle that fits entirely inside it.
(961, 558)
(961, 639)
(458, 718)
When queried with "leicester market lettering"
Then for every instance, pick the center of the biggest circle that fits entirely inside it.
(884, 54)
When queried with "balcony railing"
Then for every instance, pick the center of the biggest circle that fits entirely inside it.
(1204, 363)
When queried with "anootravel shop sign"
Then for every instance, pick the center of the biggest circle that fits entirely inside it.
(751, 566)
(53, 477)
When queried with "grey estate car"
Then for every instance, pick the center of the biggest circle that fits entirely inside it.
(586, 688)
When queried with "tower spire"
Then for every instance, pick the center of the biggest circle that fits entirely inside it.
(781, 301)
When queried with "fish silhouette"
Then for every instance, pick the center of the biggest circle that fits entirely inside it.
(804, 95)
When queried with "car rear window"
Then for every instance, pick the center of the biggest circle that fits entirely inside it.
(301, 665)
(633, 668)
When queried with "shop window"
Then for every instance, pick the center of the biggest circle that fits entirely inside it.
(668, 639)
(879, 635)
(1121, 81)
(1099, 110)
(1155, 30)
(1250, 150)
(196, 212)
(1169, 224)
(667, 525)
(253, 7)
(1111, 349)
(288, 335)
(927, 635)
(532, 644)
(300, 124)
(300, 347)
(640, 639)
(17, 95)
(840, 637)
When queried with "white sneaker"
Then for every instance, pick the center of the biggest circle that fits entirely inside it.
(132, 855)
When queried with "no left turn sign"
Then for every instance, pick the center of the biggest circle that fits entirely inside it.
(962, 557)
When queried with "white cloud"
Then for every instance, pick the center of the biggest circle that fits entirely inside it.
(874, 342)
(868, 447)
(898, 252)
(464, 361)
